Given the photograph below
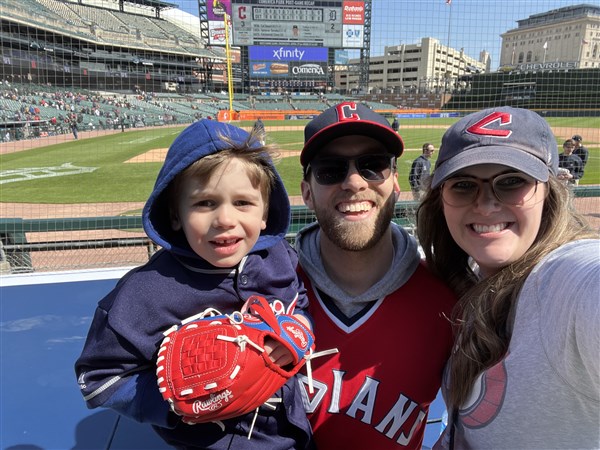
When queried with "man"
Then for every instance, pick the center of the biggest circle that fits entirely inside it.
(395, 125)
(580, 150)
(370, 296)
(73, 125)
(420, 171)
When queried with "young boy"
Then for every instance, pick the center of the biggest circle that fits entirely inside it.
(220, 212)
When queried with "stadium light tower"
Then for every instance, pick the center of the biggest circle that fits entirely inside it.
(365, 51)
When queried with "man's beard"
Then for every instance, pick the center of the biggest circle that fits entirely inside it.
(356, 236)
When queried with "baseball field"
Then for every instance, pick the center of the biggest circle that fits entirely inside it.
(111, 173)
(122, 167)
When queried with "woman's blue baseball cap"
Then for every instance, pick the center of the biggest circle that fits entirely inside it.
(514, 137)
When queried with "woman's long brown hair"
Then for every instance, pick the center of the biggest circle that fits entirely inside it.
(483, 315)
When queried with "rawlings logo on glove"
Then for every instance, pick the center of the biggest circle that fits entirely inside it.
(214, 366)
(214, 402)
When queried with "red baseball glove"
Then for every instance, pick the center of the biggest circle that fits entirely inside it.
(214, 366)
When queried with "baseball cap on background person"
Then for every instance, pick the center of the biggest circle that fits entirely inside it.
(513, 137)
(577, 138)
(345, 119)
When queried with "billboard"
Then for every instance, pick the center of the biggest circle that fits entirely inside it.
(281, 53)
(310, 70)
(321, 23)
(284, 62)
(215, 12)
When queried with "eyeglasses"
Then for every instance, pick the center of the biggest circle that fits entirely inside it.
(509, 188)
(334, 169)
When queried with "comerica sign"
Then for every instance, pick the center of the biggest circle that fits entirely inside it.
(308, 69)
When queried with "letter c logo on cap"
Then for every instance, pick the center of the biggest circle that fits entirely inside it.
(481, 127)
(346, 111)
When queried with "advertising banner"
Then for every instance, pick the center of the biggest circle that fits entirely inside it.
(215, 11)
(280, 53)
(294, 62)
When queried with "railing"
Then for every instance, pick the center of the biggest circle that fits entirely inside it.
(16, 252)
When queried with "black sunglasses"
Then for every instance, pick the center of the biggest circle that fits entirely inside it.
(334, 169)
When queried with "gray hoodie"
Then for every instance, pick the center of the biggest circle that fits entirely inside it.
(405, 262)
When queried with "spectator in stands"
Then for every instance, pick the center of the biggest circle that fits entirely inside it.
(572, 163)
(580, 150)
(420, 171)
(220, 213)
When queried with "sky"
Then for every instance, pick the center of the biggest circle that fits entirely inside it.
(474, 25)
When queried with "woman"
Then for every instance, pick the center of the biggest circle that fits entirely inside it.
(498, 227)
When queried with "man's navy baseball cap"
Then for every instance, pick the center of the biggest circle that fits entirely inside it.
(577, 138)
(345, 119)
(513, 137)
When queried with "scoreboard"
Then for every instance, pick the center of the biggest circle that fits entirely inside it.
(321, 23)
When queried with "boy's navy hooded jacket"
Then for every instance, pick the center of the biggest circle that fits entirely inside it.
(117, 366)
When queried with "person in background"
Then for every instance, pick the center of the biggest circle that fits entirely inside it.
(259, 130)
(497, 225)
(420, 171)
(370, 295)
(74, 129)
(220, 212)
(580, 149)
(395, 125)
(571, 163)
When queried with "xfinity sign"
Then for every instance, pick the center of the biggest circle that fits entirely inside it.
(285, 53)
(272, 53)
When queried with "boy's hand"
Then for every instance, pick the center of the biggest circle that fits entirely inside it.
(279, 353)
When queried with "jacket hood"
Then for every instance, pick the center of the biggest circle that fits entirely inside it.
(200, 139)
(405, 263)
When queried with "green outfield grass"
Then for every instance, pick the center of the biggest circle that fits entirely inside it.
(115, 181)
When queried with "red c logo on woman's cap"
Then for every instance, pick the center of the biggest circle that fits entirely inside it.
(503, 118)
